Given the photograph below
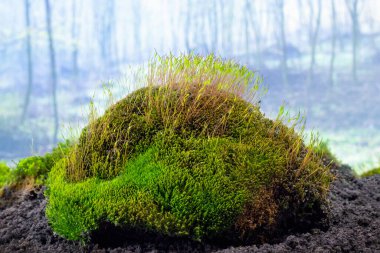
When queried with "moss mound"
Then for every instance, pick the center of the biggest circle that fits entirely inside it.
(189, 155)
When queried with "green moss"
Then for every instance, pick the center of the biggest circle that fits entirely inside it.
(371, 172)
(323, 150)
(38, 167)
(189, 157)
(33, 169)
(4, 174)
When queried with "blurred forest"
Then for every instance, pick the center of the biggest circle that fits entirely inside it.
(319, 57)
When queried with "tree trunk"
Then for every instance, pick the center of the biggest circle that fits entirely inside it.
(333, 42)
(174, 30)
(105, 17)
(227, 10)
(187, 26)
(281, 19)
(353, 10)
(74, 37)
(29, 60)
(257, 33)
(136, 6)
(52, 69)
(313, 38)
(247, 33)
(213, 21)
(200, 26)
(114, 45)
(355, 35)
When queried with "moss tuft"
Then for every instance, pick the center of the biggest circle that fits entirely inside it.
(32, 170)
(188, 155)
(371, 172)
(4, 174)
(323, 150)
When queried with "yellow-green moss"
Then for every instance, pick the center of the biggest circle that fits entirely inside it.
(4, 174)
(371, 172)
(323, 150)
(190, 156)
(33, 169)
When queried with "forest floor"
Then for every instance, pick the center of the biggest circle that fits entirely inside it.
(354, 226)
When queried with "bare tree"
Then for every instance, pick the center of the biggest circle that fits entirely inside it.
(227, 9)
(74, 37)
(200, 31)
(213, 23)
(29, 60)
(247, 7)
(106, 18)
(174, 29)
(313, 36)
(352, 6)
(254, 19)
(333, 42)
(52, 69)
(187, 25)
(136, 7)
(197, 27)
(279, 6)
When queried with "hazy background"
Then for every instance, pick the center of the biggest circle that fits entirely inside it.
(318, 56)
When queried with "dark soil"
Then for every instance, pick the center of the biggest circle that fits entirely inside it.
(354, 226)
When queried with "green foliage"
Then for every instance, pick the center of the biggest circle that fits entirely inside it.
(192, 156)
(33, 168)
(323, 150)
(148, 195)
(60, 151)
(37, 167)
(4, 174)
(371, 172)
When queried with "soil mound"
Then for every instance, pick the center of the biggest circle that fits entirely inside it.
(354, 226)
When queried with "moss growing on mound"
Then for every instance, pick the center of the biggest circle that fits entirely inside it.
(189, 155)
(32, 171)
(4, 174)
(371, 172)
(323, 150)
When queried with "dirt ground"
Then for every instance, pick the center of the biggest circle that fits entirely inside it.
(354, 226)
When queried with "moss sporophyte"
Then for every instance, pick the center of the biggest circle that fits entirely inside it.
(190, 154)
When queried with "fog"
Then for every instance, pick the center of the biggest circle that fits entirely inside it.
(317, 57)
